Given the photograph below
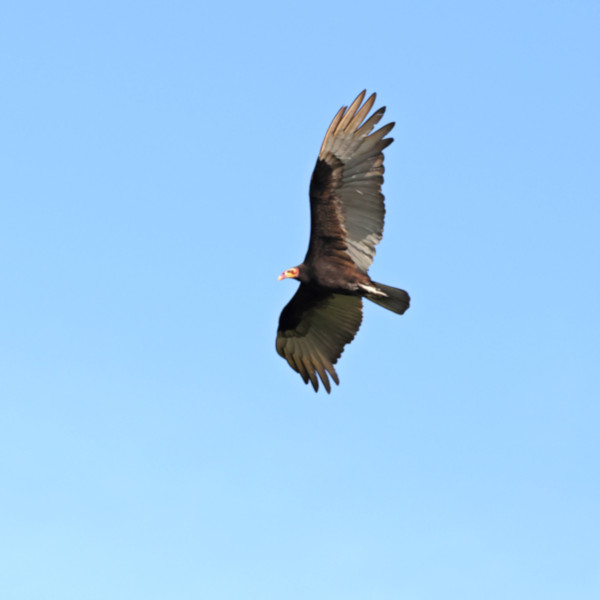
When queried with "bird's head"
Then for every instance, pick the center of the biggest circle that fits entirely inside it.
(291, 273)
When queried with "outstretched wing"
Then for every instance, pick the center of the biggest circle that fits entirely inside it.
(313, 329)
(347, 206)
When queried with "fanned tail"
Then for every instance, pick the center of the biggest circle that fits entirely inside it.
(391, 298)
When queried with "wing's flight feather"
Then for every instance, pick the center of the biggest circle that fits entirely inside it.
(313, 329)
(347, 206)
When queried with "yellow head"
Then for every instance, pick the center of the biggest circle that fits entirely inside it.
(292, 273)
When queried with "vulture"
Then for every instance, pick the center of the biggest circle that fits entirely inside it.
(347, 213)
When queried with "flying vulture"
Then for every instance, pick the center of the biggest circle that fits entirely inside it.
(347, 212)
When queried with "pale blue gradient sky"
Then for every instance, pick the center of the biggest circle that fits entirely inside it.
(155, 159)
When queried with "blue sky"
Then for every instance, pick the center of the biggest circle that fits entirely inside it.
(155, 160)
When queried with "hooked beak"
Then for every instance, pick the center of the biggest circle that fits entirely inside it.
(282, 276)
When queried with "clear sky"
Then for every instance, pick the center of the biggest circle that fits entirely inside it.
(154, 168)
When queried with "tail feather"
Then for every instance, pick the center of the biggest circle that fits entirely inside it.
(391, 298)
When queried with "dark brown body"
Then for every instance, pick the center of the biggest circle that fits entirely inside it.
(347, 213)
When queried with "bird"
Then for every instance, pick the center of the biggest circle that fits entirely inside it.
(347, 214)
